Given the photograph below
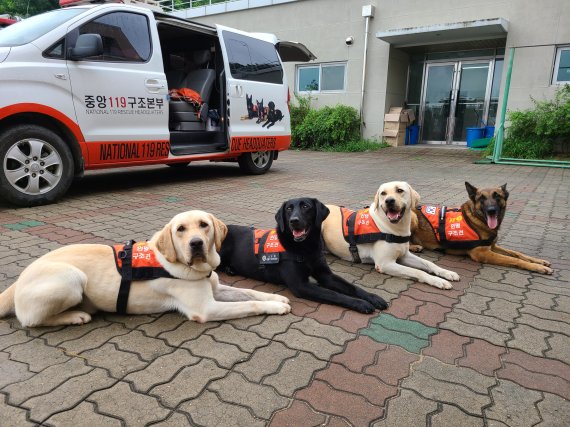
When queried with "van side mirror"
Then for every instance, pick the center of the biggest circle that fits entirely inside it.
(87, 45)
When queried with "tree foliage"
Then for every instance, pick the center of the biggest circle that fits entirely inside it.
(26, 8)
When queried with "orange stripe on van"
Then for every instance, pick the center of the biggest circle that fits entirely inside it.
(245, 144)
(106, 153)
(29, 107)
(11, 110)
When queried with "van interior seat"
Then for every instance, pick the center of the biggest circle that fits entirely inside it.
(200, 80)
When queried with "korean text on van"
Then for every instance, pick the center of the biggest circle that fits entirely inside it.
(113, 85)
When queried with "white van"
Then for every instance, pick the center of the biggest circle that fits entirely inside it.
(87, 87)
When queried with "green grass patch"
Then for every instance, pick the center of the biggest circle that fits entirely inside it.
(359, 145)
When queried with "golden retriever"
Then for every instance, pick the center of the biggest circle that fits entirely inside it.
(66, 285)
(391, 213)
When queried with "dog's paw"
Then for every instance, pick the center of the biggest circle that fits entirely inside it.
(376, 301)
(543, 269)
(280, 298)
(78, 317)
(440, 283)
(449, 275)
(363, 307)
(543, 262)
(277, 307)
(416, 248)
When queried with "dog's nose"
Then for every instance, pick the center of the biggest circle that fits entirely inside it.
(294, 220)
(390, 201)
(196, 243)
(491, 210)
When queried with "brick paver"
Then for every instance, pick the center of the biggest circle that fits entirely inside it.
(493, 351)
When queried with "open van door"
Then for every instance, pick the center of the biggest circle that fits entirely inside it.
(294, 52)
(257, 91)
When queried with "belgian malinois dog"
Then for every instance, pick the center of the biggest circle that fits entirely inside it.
(471, 229)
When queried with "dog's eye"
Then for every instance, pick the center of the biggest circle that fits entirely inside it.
(203, 224)
(289, 208)
(304, 206)
(383, 193)
(181, 228)
(495, 195)
(482, 198)
(399, 190)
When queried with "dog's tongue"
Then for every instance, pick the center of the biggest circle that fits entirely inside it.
(392, 215)
(492, 221)
(298, 233)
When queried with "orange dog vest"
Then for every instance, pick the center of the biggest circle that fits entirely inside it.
(451, 228)
(268, 248)
(358, 227)
(135, 261)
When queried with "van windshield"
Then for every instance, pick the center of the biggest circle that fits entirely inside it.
(30, 29)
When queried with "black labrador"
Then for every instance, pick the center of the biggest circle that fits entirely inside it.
(299, 233)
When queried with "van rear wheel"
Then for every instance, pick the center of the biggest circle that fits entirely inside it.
(36, 165)
(256, 163)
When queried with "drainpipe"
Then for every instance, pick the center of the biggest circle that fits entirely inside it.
(367, 12)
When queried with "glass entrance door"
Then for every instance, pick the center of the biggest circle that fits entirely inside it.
(455, 96)
(471, 98)
(436, 103)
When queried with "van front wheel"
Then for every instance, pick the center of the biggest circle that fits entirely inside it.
(256, 163)
(36, 165)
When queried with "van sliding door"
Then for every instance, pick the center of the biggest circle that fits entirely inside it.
(258, 116)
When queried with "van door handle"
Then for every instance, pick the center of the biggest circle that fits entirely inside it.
(154, 85)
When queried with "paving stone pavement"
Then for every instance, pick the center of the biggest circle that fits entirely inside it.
(493, 351)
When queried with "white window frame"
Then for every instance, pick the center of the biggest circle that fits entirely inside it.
(320, 66)
(559, 51)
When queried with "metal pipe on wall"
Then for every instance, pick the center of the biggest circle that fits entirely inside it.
(367, 12)
(362, 124)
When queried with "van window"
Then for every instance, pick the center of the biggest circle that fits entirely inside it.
(253, 59)
(56, 50)
(29, 29)
(126, 36)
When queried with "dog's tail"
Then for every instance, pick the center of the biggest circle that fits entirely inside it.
(7, 302)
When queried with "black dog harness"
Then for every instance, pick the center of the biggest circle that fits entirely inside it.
(135, 261)
(269, 250)
(452, 229)
(359, 228)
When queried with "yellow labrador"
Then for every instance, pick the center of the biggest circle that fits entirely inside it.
(391, 214)
(65, 286)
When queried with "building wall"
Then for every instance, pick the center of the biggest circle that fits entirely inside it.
(323, 26)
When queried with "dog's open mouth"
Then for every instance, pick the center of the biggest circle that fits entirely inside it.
(492, 220)
(300, 235)
(394, 215)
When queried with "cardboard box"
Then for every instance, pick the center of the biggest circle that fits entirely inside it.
(395, 123)
(396, 141)
(400, 114)
(400, 126)
(395, 137)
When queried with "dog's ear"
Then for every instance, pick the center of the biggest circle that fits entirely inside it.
(376, 203)
(415, 196)
(165, 245)
(321, 212)
(471, 191)
(280, 218)
(505, 192)
(220, 232)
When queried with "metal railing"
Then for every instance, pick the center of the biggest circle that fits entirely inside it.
(172, 5)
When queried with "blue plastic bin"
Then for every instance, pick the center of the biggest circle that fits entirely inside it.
(489, 131)
(412, 134)
(473, 134)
